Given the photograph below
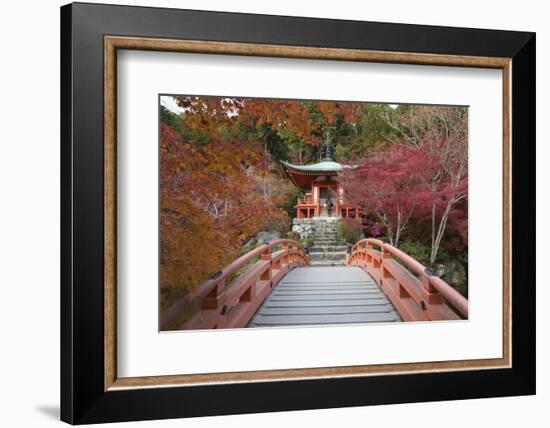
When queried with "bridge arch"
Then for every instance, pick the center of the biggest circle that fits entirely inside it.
(415, 291)
(231, 297)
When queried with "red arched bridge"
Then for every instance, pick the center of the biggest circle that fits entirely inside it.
(273, 285)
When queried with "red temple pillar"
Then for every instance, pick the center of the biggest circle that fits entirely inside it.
(316, 200)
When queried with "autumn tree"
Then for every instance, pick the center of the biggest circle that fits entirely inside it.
(446, 186)
(423, 176)
(384, 184)
(441, 133)
(355, 140)
(209, 204)
(289, 129)
(221, 181)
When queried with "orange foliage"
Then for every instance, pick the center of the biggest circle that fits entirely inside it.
(211, 113)
(209, 204)
(216, 194)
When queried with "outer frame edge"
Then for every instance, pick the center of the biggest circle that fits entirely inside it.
(102, 410)
(66, 306)
(523, 131)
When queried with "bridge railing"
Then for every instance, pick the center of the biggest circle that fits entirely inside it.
(230, 298)
(421, 296)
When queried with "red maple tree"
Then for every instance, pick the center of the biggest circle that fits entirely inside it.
(384, 184)
(424, 182)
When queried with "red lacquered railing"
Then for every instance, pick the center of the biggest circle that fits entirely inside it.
(417, 296)
(229, 301)
(305, 200)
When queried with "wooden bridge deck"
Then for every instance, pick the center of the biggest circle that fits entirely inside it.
(325, 295)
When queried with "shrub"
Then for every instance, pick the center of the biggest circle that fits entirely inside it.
(416, 250)
(248, 246)
(350, 230)
(421, 252)
(293, 235)
(277, 221)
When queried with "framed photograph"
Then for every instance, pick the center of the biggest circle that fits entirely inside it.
(265, 213)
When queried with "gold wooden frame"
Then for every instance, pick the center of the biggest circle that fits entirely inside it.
(113, 43)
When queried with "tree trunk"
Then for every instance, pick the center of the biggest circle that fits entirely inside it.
(397, 230)
(436, 240)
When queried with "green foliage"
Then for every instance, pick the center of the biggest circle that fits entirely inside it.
(248, 246)
(417, 250)
(169, 118)
(293, 235)
(173, 120)
(177, 122)
(421, 252)
(301, 151)
(350, 230)
(309, 241)
(289, 203)
(275, 145)
(372, 130)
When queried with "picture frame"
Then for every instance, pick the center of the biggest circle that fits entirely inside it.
(91, 391)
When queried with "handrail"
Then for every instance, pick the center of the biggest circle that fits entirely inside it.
(212, 293)
(404, 287)
(305, 200)
(284, 241)
(404, 257)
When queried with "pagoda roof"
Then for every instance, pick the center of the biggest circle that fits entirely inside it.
(323, 167)
(304, 175)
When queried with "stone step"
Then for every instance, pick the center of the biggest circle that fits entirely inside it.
(333, 255)
(328, 256)
(328, 248)
(327, 263)
(326, 238)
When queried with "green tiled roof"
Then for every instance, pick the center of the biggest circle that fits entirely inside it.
(324, 166)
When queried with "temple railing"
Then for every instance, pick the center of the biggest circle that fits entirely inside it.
(305, 200)
(417, 294)
(230, 298)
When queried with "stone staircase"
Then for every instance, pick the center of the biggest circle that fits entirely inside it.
(327, 249)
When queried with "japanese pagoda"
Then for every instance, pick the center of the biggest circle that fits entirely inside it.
(323, 195)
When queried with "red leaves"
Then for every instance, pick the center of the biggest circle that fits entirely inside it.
(403, 182)
(384, 184)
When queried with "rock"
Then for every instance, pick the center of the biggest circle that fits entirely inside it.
(307, 227)
(454, 274)
(458, 279)
(250, 242)
(265, 237)
(440, 270)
